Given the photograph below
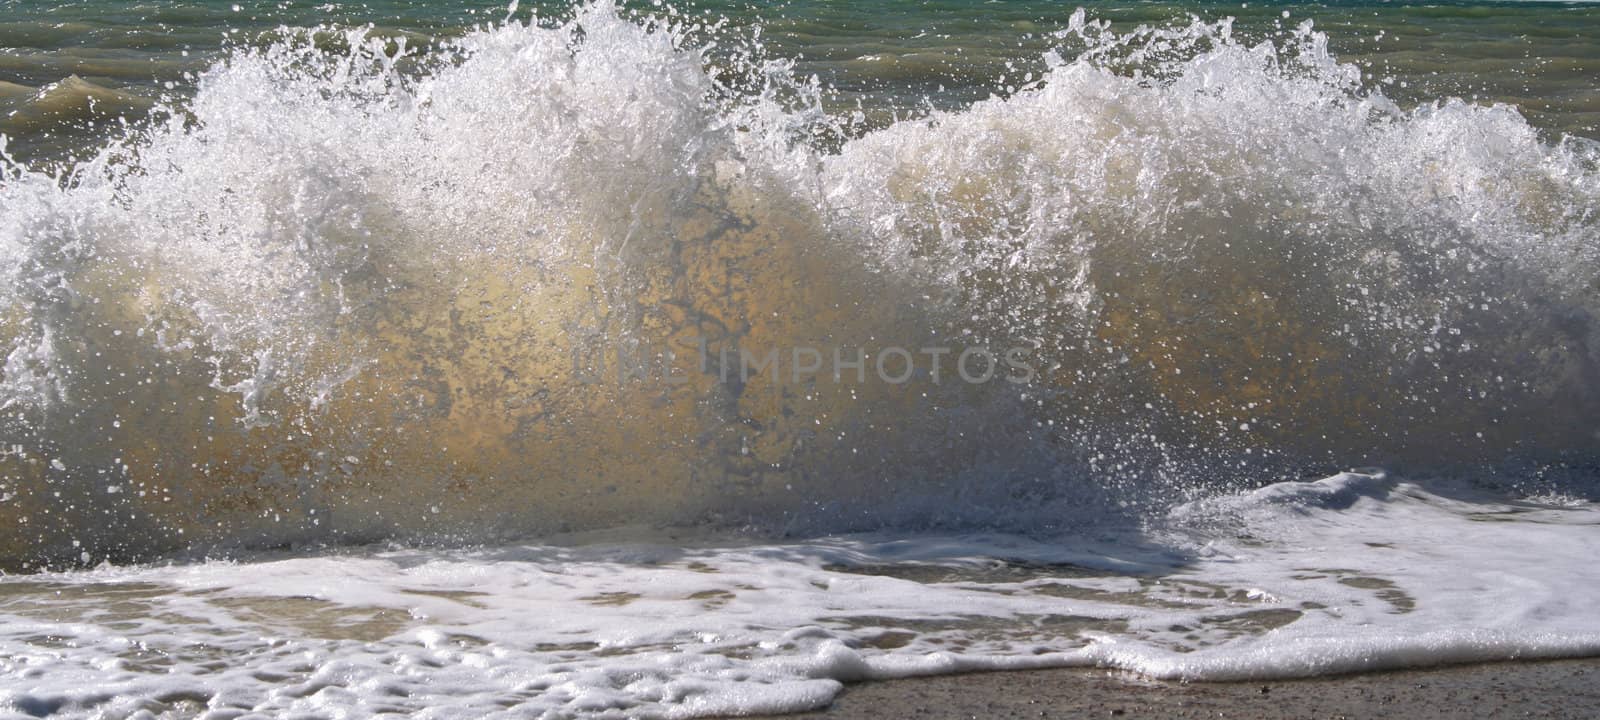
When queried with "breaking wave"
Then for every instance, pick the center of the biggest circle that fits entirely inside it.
(351, 289)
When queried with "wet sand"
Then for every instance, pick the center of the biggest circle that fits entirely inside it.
(1555, 689)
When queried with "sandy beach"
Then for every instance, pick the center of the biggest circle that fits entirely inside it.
(1555, 689)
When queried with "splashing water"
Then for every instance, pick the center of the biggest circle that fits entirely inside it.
(352, 290)
(344, 293)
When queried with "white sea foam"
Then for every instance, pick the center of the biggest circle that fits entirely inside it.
(1356, 572)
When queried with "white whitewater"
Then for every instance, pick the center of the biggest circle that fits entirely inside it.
(1355, 572)
(342, 296)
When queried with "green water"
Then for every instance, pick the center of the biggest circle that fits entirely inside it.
(71, 72)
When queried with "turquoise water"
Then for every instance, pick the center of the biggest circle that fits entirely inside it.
(891, 58)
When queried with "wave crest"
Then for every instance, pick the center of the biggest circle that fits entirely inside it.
(342, 294)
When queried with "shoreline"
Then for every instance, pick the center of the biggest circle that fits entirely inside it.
(1538, 689)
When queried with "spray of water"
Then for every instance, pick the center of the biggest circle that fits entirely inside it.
(346, 291)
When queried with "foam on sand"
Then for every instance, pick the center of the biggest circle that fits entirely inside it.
(1351, 573)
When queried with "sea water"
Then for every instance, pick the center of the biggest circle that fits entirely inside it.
(584, 361)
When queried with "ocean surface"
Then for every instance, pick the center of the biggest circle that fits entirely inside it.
(681, 360)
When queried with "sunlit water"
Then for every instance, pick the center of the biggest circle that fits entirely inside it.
(1353, 573)
(310, 398)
